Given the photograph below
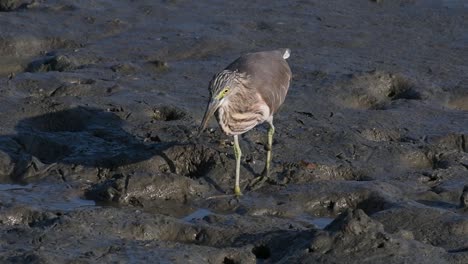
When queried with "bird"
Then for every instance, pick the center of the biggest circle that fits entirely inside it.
(248, 92)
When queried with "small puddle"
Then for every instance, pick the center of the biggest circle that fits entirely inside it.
(50, 197)
(9, 187)
(198, 214)
(322, 222)
(319, 222)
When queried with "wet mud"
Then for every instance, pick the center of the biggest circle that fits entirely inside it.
(100, 161)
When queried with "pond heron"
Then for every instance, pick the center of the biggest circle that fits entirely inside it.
(247, 93)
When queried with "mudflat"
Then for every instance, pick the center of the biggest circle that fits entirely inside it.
(100, 162)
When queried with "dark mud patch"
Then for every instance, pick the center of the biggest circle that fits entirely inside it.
(71, 120)
(45, 149)
(11, 5)
(262, 252)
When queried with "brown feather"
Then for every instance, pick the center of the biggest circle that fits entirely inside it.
(268, 74)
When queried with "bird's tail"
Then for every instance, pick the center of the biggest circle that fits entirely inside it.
(286, 53)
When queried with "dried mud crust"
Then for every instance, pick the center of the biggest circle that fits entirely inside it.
(100, 161)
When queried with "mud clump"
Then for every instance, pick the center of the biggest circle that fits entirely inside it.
(168, 113)
(367, 238)
(20, 215)
(142, 190)
(375, 90)
(52, 63)
(11, 5)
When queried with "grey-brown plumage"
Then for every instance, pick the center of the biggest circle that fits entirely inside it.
(247, 93)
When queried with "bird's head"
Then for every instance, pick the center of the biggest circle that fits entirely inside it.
(221, 87)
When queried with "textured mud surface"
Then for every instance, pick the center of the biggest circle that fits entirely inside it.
(99, 162)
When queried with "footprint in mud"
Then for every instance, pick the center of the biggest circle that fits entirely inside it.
(192, 160)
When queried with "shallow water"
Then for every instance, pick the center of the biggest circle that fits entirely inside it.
(198, 214)
(44, 197)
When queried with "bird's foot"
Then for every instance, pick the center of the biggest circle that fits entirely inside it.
(237, 191)
(257, 182)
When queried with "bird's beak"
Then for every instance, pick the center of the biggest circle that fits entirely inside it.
(210, 109)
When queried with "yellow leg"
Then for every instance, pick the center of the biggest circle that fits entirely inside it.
(238, 154)
(265, 176)
(271, 132)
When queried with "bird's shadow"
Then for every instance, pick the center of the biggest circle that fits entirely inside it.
(83, 136)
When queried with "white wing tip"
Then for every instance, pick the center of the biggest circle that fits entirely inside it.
(286, 53)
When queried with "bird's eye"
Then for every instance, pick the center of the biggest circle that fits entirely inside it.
(223, 93)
